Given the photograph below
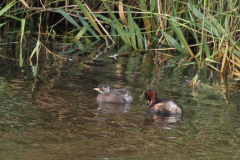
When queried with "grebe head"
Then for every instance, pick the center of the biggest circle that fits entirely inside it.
(103, 88)
(151, 95)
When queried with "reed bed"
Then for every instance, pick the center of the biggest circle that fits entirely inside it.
(206, 31)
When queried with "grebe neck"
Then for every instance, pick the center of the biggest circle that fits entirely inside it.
(151, 95)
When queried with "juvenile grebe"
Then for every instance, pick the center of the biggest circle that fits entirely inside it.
(115, 96)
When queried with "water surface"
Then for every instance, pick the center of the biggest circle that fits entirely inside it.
(55, 115)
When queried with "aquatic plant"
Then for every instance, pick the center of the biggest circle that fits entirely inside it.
(206, 31)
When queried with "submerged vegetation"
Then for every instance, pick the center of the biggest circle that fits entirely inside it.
(205, 33)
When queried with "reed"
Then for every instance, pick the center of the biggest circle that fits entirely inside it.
(207, 31)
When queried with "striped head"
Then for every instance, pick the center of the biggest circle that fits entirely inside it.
(103, 88)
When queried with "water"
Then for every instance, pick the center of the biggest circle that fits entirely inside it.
(55, 115)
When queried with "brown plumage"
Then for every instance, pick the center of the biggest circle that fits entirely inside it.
(115, 96)
(162, 105)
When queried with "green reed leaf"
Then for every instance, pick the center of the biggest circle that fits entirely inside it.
(174, 43)
(68, 17)
(82, 31)
(206, 48)
(182, 39)
(131, 29)
(86, 24)
(21, 45)
(7, 7)
(146, 19)
(139, 36)
(89, 17)
(120, 30)
(3, 24)
(118, 25)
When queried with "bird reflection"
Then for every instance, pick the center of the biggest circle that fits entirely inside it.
(113, 108)
(163, 121)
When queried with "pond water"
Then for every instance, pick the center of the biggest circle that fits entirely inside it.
(55, 115)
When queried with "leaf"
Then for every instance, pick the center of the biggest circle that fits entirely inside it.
(145, 18)
(182, 39)
(211, 60)
(121, 14)
(208, 25)
(120, 33)
(174, 19)
(3, 24)
(22, 34)
(118, 25)
(219, 30)
(145, 43)
(189, 63)
(89, 17)
(25, 4)
(123, 49)
(7, 7)
(139, 36)
(213, 67)
(82, 31)
(131, 29)
(69, 18)
(86, 24)
(174, 43)
(114, 33)
(206, 48)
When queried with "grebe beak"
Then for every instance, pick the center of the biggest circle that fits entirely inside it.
(148, 102)
(97, 89)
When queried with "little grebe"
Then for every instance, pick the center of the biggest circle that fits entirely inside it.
(115, 96)
(162, 105)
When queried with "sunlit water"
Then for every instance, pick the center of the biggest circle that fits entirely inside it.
(56, 116)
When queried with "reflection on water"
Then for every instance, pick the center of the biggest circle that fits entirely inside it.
(165, 118)
(56, 116)
(163, 121)
(116, 108)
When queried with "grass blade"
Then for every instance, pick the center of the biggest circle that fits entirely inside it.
(174, 43)
(89, 17)
(182, 39)
(21, 47)
(119, 30)
(208, 25)
(2, 24)
(121, 14)
(69, 18)
(146, 19)
(139, 36)
(118, 25)
(82, 31)
(86, 24)
(206, 48)
(7, 7)
(131, 29)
